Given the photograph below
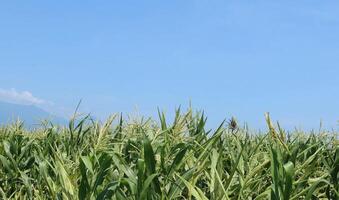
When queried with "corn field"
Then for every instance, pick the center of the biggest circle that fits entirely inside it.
(142, 158)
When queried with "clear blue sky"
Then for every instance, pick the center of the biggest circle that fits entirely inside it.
(239, 58)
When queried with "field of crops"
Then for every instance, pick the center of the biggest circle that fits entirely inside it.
(154, 159)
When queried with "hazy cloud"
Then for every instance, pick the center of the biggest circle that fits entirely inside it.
(24, 97)
(27, 98)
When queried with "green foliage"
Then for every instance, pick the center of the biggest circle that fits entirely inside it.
(145, 159)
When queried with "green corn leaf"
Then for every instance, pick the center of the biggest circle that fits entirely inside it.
(146, 185)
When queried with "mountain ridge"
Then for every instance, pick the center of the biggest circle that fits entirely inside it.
(30, 114)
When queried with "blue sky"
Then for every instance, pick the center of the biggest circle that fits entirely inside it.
(240, 58)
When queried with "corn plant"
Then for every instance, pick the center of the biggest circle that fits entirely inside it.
(139, 158)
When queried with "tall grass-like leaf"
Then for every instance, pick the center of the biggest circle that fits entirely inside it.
(177, 160)
(196, 192)
(109, 191)
(65, 180)
(146, 185)
(289, 176)
(150, 163)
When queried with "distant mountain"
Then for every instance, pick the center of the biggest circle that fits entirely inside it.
(30, 114)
